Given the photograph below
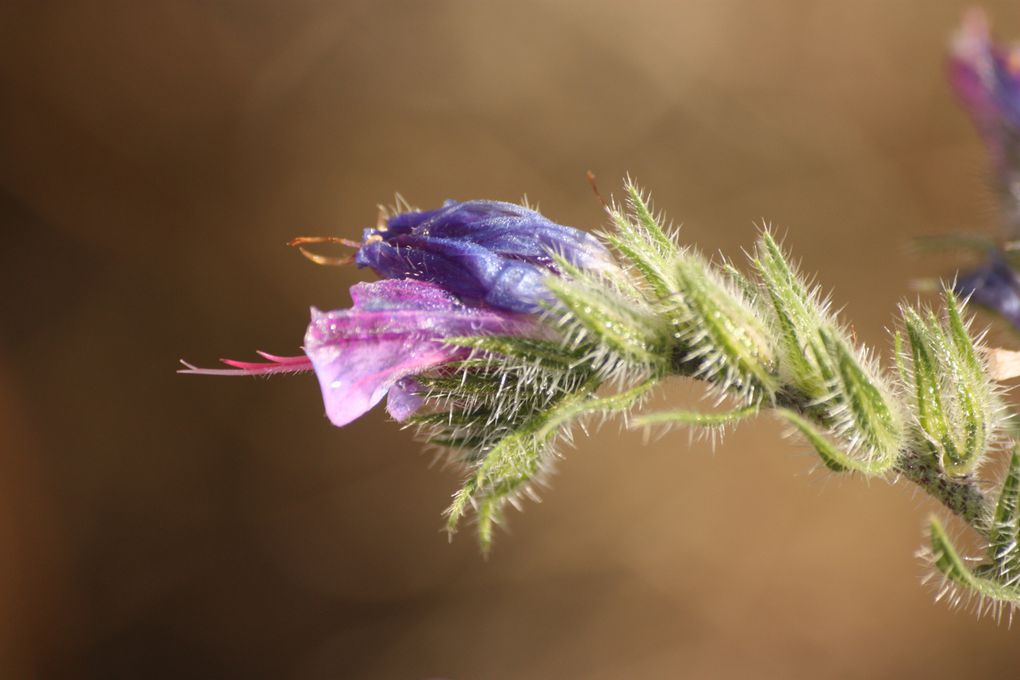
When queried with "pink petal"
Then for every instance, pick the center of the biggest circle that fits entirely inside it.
(395, 330)
(404, 399)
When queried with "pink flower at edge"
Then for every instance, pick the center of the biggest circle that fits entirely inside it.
(986, 77)
(394, 331)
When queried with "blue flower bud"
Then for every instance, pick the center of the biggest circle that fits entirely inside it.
(487, 251)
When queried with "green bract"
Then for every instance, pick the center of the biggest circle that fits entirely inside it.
(995, 583)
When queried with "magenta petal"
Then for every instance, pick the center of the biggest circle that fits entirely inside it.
(986, 77)
(355, 377)
(972, 75)
(395, 330)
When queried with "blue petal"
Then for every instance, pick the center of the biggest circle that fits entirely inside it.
(489, 251)
(994, 285)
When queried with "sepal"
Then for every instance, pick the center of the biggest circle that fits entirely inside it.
(863, 409)
(519, 460)
(645, 242)
(623, 337)
(723, 338)
(798, 313)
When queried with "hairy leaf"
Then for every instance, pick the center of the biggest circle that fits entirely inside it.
(833, 458)
(724, 336)
(870, 413)
(695, 418)
(1004, 535)
(968, 585)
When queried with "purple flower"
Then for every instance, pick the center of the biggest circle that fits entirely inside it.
(466, 269)
(486, 251)
(394, 331)
(986, 77)
(994, 285)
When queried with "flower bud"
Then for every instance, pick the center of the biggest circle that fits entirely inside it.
(486, 251)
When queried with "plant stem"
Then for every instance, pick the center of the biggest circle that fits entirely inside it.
(962, 496)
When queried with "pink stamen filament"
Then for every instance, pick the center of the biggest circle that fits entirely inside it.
(276, 364)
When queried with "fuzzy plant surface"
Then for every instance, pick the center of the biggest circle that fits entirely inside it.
(497, 334)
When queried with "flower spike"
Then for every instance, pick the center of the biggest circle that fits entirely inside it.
(498, 333)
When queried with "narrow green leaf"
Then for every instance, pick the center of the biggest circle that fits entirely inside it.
(464, 383)
(643, 242)
(614, 403)
(459, 506)
(466, 418)
(741, 280)
(901, 366)
(927, 383)
(798, 316)
(517, 457)
(1005, 529)
(543, 352)
(958, 332)
(694, 418)
(975, 392)
(612, 320)
(875, 421)
(947, 560)
(945, 557)
(782, 281)
(488, 513)
(833, 458)
(467, 442)
(654, 268)
(797, 363)
(723, 332)
(642, 210)
(965, 417)
(822, 361)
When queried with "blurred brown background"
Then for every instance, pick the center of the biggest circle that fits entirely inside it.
(154, 158)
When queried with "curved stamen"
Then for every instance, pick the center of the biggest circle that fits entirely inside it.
(276, 364)
(325, 260)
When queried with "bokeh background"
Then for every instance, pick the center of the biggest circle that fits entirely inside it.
(154, 158)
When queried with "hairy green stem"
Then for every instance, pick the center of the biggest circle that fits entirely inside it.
(962, 496)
